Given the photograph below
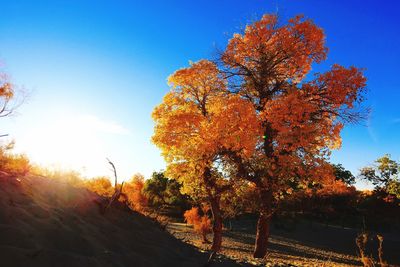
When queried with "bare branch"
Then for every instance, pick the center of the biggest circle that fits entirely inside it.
(115, 172)
(117, 191)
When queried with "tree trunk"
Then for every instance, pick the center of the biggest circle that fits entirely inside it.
(263, 224)
(214, 198)
(262, 236)
(217, 224)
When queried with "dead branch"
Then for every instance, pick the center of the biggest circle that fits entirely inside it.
(117, 191)
(114, 170)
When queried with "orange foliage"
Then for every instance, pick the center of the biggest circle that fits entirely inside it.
(301, 120)
(100, 185)
(198, 119)
(336, 188)
(292, 125)
(257, 114)
(13, 164)
(6, 95)
(201, 224)
(133, 190)
(6, 90)
(289, 50)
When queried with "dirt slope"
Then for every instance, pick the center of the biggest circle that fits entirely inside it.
(47, 223)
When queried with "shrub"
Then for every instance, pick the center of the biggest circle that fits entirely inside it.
(13, 164)
(100, 185)
(201, 224)
(133, 191)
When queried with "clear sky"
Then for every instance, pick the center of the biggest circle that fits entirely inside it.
(96, 69)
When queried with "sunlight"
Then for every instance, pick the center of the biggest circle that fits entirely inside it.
(71, 143)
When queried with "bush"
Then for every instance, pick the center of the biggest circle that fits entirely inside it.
(13, 164)
(201, 224)
(133, 191)
(100, 185)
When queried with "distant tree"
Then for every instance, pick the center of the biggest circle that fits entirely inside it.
(10, 97)
(175, 196)
(384, 173)
(10, 163)
(6, 95)
(155, 189)
(162, 192)
(343, 175)
(394, 188)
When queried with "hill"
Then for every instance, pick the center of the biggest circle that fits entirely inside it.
(44, 222)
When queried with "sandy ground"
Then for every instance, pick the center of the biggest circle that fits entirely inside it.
(304, 245)
(47, 223)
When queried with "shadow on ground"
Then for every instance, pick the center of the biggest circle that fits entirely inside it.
(305, 245)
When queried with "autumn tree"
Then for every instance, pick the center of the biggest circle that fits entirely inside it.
(195, 122)
(8, 103)
(6, 96)
(11, 97)
(301, 119)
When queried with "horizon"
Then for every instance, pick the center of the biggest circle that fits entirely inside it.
(95, 73)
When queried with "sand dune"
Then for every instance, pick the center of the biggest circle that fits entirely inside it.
(44, 222)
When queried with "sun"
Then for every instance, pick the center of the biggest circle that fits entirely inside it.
(69, 142)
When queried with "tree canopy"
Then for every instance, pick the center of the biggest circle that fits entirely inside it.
(384, 173)
(253, 116)
(343, 175)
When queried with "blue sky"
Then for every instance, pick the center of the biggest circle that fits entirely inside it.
(96, 69)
